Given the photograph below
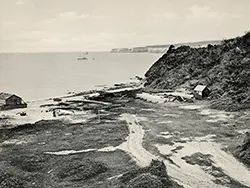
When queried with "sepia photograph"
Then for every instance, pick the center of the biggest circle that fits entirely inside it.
(124, 94)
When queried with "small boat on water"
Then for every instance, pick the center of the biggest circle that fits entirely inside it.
(82, 58)
(85, 57)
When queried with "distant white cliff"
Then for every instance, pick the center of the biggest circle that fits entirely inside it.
(162, 48)
(120, 50)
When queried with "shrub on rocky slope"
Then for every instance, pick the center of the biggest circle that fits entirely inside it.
(243, 151)
(80, 171)
(153, 176)
(225, 68)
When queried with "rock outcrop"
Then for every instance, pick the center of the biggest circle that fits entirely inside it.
(224, 68)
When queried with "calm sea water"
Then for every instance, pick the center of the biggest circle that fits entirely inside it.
(42, 75)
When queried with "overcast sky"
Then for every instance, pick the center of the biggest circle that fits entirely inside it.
(80, 25)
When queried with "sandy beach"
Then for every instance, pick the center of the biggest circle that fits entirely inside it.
(153, 129)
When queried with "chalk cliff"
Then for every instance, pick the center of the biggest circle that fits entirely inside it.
(161, 48)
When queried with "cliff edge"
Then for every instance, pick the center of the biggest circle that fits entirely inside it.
(224, 68)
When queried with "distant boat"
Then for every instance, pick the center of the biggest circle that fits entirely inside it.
(82, 58)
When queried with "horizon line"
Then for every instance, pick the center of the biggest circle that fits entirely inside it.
(148, 45)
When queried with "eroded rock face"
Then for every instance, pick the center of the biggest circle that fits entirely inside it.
(243, 151)
(224, 68)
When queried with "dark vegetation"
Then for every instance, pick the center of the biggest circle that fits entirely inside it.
(224, 68)
(153, 176)
(26, 164)
(243, 150)
(25, 169)
(8, 179)
(81, 170)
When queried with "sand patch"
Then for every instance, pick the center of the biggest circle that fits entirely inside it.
(165, 122)
(34, 112)
(148, 109)
(171, 115)
(14, 142)
(68, 152)
(151, 98)
(181, 94)
(165, 133)
(204, 145)
(108, 149)
(142, 118)
(191, 107)
(133, 145)
(244, 131)
(216, 115)
(166, 136)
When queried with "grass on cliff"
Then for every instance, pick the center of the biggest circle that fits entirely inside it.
(224, 68)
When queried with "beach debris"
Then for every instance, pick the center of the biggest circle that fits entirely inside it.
(138, 78)
(165, 97)
(57, 99)
(23, 114)
(61, 112)
(4, 117)
(54, 113)
(151, 97)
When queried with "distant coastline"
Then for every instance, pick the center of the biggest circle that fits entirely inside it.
(162, 48)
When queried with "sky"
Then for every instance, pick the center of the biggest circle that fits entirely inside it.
(99, 25)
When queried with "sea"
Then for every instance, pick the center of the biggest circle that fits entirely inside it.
(36, 76)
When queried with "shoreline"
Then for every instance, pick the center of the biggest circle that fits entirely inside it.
(167, 131)
(39, 109)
